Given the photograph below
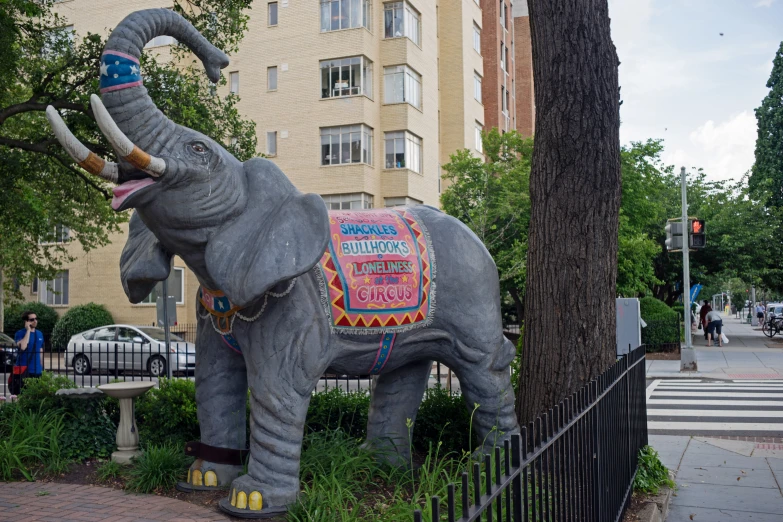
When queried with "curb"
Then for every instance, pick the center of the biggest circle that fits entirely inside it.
(657, 507)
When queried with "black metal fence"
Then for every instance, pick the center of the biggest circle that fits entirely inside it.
(576, 462)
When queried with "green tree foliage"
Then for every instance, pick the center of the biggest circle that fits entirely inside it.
(492, 198)
(76, 320)
(767, 172)
(42, 64)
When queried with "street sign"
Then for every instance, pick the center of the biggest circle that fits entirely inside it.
(172, 311)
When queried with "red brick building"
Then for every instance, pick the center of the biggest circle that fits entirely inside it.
(523, 71)
(497, 44)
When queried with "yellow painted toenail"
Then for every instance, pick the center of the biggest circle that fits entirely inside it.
(255, 501)
(197, 478)
(241, 500)
(234, 497)
(210, 478)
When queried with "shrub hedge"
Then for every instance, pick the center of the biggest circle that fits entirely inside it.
(76, 320)
(47, 318)
(663, 325)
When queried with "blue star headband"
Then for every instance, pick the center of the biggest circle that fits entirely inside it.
(119, 71)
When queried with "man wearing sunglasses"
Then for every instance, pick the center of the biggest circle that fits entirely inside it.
(30, 341)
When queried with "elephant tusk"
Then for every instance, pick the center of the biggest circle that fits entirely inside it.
(86, 159)
(152, 165)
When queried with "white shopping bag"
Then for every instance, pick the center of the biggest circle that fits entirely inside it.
(724, 338)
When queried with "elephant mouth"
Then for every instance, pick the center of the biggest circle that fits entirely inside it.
(126, 190)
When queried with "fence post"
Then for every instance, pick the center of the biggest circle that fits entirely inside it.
(116, 367)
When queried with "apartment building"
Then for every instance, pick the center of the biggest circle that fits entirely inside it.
(523, 71)
(497, 49)
(360, 101)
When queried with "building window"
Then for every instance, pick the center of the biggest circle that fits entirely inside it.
(345, 14)
(345, 145)
(34, 286)
(503, 13)
(271, 78)
(271, 143)
(176, 288)
(54, 292)
(477, 38)
(233, 79)
(346, 77)
(400, 19)
(356, 201)
(400, 202)
(403, 151)
(503, 64)
(272, 12)
(479, 142)
(401, 84)
(476, 86)
(58, 234)
(503, 100)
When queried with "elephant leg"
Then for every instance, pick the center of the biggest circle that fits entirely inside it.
(221, 395)
(489, 386)
(280, 389)
(395, 400)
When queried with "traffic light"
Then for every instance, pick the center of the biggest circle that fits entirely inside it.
(697, 238)
(674, 235)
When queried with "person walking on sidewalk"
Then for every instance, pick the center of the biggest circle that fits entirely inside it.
(714, 327)
(760, 313)
(30, 341)
(705, 309)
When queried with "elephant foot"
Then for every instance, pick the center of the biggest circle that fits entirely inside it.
(208, 476)
(247, 500)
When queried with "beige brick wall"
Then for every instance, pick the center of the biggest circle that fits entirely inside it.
(296, 111)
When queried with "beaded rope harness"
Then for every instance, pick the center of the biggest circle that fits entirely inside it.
(220, 308)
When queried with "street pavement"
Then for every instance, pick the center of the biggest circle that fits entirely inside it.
(749, 354)
(723, 480)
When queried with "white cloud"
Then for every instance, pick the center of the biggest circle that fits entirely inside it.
(765, 3)
(724, 150)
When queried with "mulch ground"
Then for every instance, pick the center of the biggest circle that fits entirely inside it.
(637, 503)
(662, 356)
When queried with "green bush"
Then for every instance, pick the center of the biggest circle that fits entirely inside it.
(76, 320)
(167, 415)
(652, 307)
(47, 318)
(442, 417)
(335, 409)
(651, 474)
(88, 431)
(158, 468)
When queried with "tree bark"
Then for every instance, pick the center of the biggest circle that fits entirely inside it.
(2, 302)
(575, 200)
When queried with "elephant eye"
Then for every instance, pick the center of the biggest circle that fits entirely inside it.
(198, 147)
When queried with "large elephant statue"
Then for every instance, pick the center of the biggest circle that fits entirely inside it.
(288, 291)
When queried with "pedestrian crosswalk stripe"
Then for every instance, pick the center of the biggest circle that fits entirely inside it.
(666, 412)
(734, 408)
(738, 394)
(713, 426)
(707, 402)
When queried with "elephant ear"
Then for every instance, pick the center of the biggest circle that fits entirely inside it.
(144, 262)
(281, 234)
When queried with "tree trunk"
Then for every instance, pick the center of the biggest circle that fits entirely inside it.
(2, 302)
(575, 200)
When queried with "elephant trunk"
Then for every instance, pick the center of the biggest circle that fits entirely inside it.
(122, 90)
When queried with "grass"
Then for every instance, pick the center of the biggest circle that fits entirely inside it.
(30, 439)
(110, 470)
(159, 467)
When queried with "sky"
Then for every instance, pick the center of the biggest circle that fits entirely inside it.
(683, 82)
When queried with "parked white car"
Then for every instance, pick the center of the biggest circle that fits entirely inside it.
(127, 347)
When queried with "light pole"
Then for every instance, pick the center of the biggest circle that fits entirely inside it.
(687, 354)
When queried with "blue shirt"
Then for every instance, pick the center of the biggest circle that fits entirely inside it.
(31, 357)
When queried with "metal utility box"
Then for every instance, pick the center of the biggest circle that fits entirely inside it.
(629, 324)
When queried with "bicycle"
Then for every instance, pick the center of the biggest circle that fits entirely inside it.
(772, 326)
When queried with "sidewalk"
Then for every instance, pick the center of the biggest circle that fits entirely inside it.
(749, 354)
(723, 480)
(49, 501)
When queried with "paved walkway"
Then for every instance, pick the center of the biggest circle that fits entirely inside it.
(52, 502)
(723, 480)
(749, 354)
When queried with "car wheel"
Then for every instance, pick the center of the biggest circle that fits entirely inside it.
(81, 365)
(157, 366)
